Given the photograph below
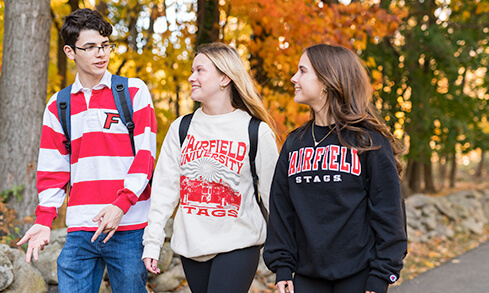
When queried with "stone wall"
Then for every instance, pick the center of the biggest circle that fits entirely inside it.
(427, 217)
(460, 212)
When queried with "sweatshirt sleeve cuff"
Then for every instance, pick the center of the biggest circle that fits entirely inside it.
(125, 199)
(376, 284)
(283, 274)
(45, 215)
(151, 251)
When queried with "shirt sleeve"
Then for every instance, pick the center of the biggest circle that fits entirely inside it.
(386, 217)
(165, 194)
(141, 170)
(53, 167)
(266, 159)
(280, 248)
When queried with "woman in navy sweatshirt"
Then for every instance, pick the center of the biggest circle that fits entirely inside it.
(336, 213)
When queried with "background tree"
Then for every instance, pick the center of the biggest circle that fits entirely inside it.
(207, 22)
(279, 33)
(426, 60)
(60, 54)
(424, 69)
(23, 84)
(154, 41)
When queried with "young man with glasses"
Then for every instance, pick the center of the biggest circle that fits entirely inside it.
(109, 196)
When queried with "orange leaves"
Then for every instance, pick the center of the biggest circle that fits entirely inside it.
(300, 24)
(482, 7)
(281, 30)
(8, 224)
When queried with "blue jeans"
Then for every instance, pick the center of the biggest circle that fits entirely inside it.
(81, 263)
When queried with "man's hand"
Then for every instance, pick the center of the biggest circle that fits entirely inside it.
(108, 220)
(151, 265)
(285, 284)
(38, 236)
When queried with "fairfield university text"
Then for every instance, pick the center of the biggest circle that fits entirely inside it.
(226, 152)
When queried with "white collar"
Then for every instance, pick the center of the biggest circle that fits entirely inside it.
(104, 82)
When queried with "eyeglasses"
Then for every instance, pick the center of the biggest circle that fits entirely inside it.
(96, 49)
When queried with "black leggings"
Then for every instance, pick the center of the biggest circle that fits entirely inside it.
(352, 284)
(227, 272)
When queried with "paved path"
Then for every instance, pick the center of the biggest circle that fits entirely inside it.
(468, 272)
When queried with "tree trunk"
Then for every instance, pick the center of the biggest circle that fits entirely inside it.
(429, 185)
(102, 7)
(405, 190)
(207, 22)
(414, 176)
(453, 170)
(480, 167)
(74, 5)
(61, 56)
(23, 86)
(442, 170)
(62, 62)
(177, 100)
(207, 26)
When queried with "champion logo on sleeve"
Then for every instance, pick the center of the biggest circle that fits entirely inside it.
(393, 278)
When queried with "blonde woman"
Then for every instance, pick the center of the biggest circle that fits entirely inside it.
(218, 227)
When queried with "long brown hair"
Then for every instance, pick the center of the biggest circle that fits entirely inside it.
(348, 97)
(244, 94)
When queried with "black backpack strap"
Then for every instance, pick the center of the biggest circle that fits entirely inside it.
(184, 125)
(64, 113)
(253, 135)
(120, 91)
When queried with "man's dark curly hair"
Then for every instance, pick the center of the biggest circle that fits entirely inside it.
(83, 19)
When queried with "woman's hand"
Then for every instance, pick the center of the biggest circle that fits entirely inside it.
(151, 265)
(285, 284)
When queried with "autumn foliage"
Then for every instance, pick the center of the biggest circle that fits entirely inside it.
(426, 60)
(281, 30)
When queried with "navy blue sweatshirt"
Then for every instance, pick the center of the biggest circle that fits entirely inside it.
(335, 212)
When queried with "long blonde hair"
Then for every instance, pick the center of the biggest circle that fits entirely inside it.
(244, 94)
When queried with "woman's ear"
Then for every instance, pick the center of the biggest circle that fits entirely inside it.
(225, 81)
(69, 51)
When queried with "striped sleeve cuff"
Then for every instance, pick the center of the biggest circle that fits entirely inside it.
(45, 215)
(125, 199)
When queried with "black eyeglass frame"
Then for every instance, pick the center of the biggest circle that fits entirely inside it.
(111, 47)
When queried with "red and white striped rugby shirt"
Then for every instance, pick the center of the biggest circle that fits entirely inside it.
(103, 167)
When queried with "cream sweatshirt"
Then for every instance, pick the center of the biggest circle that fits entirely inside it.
(210, 178)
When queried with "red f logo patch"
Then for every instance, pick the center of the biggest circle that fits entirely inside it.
(111, 118)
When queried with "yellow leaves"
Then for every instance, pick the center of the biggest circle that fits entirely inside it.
(400, 115)
(485, 127)
(482, 7)
(376, 75)
(465, 15)
(57, 2)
